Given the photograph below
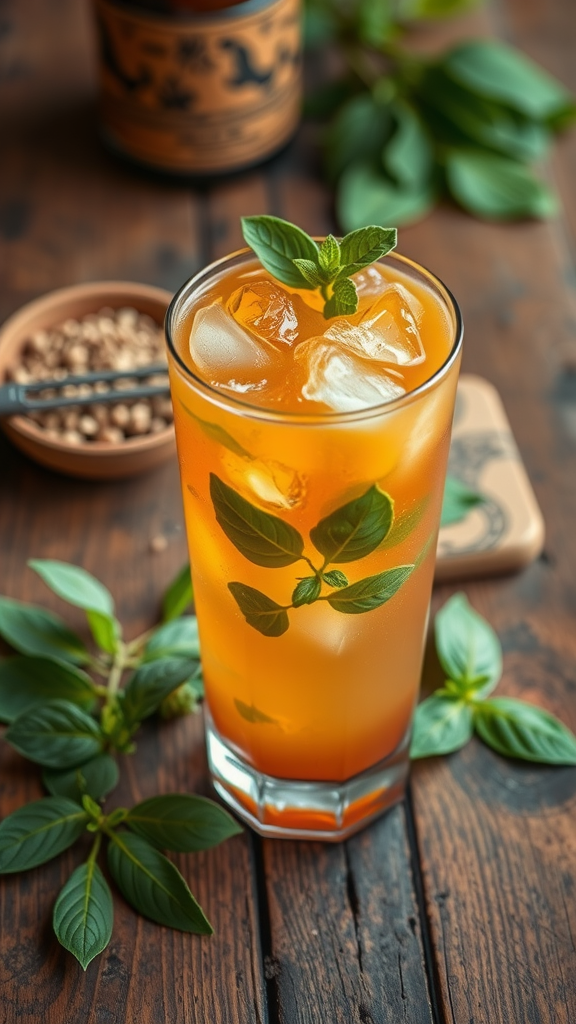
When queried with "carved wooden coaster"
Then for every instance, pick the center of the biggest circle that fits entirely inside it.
(506, 531)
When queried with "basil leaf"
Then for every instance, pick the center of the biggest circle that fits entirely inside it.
(458, 501)
(329, 256)
(356, 529)
(408, 156)
(38, 832)
(360, 248)
(468, 648)
(358, 132)
(499, 72)
(56, 734)
(365, 196)
(405, 523)
(496, 188)
(150, 684)
(277, 243)
(262, 538)
(74, 585)
(260, 611)
(175, 639)
(414, 9)
(371, 592)
(32, 630)
(335, 578)
(178, 596)
(106, 630)
(217, 433)
(483, 121)
(343, 301)
(442, 724)
(84, 914)
(26, 682)
(516, 729)
(306, 591)
(153, 885)
(253, 715)
(181, 822)
(96, 778)
(310, 272)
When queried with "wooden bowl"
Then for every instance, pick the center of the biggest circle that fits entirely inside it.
(95, 460)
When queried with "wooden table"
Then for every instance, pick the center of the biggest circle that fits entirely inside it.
(457, 906)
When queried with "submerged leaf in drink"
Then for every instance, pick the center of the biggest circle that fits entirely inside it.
(306, 442)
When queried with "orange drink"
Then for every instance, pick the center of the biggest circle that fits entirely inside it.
(313, 456)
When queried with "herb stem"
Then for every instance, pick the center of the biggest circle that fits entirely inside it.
(139, 641)
(95, 848)
(118, 666)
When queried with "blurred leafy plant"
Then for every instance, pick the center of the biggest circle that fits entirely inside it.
(405, 129)
(62, 719)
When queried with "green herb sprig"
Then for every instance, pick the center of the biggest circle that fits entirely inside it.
(295, 259)
(406, 130)
(470, 654)
(71, 711)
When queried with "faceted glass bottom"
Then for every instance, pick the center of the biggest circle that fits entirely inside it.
(292, 809)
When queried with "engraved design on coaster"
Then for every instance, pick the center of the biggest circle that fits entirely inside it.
(506, 531)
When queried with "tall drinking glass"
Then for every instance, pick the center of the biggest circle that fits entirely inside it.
(312, 535)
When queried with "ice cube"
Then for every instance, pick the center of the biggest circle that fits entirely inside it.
(265, 310)
(269, 483)
(369, 283)
(340, 380)
(222, 350)
(387, 331)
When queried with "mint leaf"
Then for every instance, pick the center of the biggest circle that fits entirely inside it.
(181, 822)
(27, 682)
(84, 914)
(175, 639)
(516, 729)
(458, 501)
(153, 885)
(371, 592)
(277, 243)
(32, 630)
(97, 778)
(468, 648)
(150, 684)
(442, 724)
(106, 631)
(335, 578)
(495, 187)
(360, 248)
(253, 715)
(310, 271)
(405, 523)
(306, 591)
(262, 538)
(329, 257)
(38, 832)
(56, 734)
(499, 72)
(357, 132)
(178, 596)
(356, 529)
(343, 301)
(260, 612)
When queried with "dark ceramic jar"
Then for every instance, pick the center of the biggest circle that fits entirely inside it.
(196, 87)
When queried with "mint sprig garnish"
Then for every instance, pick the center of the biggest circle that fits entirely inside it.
(73, 722)
(470, 654)
(295, 259)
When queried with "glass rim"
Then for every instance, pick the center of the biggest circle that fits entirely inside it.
(247, 409)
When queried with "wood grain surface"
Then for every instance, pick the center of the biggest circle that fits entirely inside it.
(458, 907)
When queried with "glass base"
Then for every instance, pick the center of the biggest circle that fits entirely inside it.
(292, 809)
